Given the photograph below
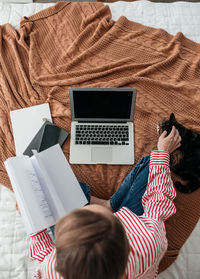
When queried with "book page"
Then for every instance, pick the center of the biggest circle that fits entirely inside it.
(31, 200)
(36, 187)
(63, 186)
(48, 188)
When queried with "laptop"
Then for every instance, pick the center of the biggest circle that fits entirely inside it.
(102, 125)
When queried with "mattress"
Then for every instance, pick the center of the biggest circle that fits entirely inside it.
(173, 17)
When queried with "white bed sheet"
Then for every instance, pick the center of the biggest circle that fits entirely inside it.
(173, 17)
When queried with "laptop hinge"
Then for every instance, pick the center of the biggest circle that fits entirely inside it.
(102, 122)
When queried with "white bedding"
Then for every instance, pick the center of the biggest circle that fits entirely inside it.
(173, 17)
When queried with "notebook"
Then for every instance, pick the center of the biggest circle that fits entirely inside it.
(45, 187)
(26, 123)
(102, 125)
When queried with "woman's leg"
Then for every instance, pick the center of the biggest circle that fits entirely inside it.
(132, 188)
(86, 190)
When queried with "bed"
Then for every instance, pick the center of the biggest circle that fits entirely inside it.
(173, 17)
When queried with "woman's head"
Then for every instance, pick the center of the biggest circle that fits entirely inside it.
(91, 243)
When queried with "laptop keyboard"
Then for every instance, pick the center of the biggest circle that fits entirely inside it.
(102, 134)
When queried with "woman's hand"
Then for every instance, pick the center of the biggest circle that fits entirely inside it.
(105, 203)
(171, 142)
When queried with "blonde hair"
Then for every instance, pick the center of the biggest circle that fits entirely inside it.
(91, 245)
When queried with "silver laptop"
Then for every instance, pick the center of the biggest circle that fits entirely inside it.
(102, 125)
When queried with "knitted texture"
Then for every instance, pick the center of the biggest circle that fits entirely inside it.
(78, 44)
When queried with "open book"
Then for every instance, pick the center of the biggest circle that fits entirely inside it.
(45, 187)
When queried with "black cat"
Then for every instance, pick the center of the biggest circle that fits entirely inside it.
(184, 161)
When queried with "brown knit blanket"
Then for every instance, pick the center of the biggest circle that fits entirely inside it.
(78, 44)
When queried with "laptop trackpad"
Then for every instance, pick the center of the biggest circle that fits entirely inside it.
(101, 154)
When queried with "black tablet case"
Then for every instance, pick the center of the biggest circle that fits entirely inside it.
(50, 137)
(38, 139)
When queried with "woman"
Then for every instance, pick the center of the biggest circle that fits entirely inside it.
(92, 242)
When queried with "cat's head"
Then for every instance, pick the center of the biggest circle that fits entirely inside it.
(167, 123)
(189, 137)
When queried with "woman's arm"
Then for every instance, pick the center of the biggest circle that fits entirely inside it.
(157, 201)
(158, 198)
(41, 245)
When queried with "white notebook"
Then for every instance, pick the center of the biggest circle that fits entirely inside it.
(26, 123)
(45, 187)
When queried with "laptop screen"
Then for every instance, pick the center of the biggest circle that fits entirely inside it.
(108, 104)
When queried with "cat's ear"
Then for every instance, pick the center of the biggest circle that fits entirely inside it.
(172, 118)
